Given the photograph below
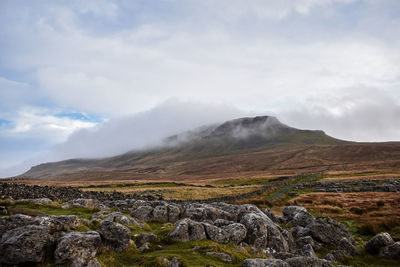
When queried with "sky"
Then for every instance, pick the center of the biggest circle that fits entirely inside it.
(97, 78)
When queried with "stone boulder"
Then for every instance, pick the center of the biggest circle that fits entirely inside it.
(222, 222)
(143, 213)
(14, 221)
(76, 246)
(336, 255)
(114, 235)
(379, 241)
(307, 250)
(348, 247)
(58, 224)
(290, 211)
(42, 201)
(220, 255)
(188, 230)
(122, 219)
(263, 233)
(329, 232)
(237, 232)
(26, 244)
(305, 240)
(391, 251)
(3, 210)
(264, 263)
(85, 203)
(144, 237)
(202, 212)
(83, 263)
(270, 215)
(302, 261)
(303, 218)
(216, 234)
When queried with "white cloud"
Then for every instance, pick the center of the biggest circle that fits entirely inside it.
(142, 130)
(41, 123)
(356, 114)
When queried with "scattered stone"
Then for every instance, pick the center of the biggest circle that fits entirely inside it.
(216, 234)
(14, 221)
(270, 215)
(264, 263)
(379, 241)
(187, 230)
(122, 219)
(81, 263)
(26, 244)
(222, 222)
(145, 246)
(346, 245)
(77, 246)
(3, 210)
(237, 232)
(42, 201)
(100, 215)
(303, 218)
(115, 236)
(85, 203)
(144, 237)
(290, 211)
(143, 213)
(302, 261)
(336, 255)
(222, 256)
(391, 251)
(308, 251)
(65, 206)
(329, 232)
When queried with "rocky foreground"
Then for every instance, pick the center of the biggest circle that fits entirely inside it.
(289, 240)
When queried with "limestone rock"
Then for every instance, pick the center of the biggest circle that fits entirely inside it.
(308, 251)
(302, 261)
(216, 234)
(187, 230)
(85, 203)
(264, 263)
(145, 246)
(222, 256)
(14, 221)
(144, 237)
(290, 211)
(115, 236)
(3, 210)
(391, 251)
(379, 241)
(26, 244)
(329, 232)
(237, 232)
(122, 219)
(76, 246)
(303, 218)
(144, 213)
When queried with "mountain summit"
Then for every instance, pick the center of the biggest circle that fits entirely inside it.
(235, 137)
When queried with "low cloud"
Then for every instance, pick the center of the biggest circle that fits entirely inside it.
(356, 114)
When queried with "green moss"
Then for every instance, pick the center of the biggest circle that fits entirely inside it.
(53, 209)
(183, 251)
(367, 260)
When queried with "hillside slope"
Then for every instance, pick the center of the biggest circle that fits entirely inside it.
(241, 147)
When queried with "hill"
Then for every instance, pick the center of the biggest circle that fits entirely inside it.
(244, 147)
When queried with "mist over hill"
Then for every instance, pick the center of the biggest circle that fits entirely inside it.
(232, 137)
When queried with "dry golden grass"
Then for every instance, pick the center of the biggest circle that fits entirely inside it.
(182, 192)
(372, 211)
(365, 175)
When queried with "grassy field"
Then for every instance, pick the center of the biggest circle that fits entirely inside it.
(364, 213)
